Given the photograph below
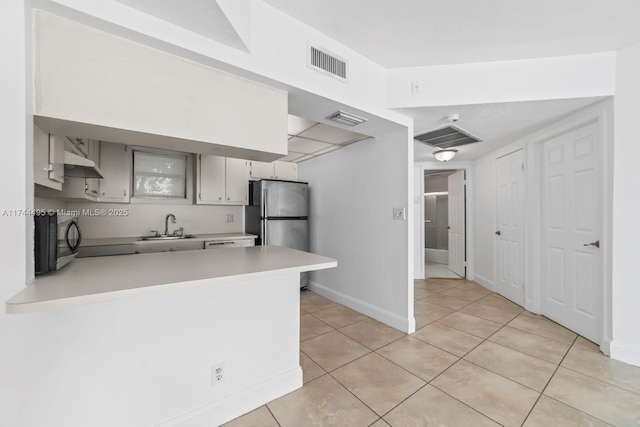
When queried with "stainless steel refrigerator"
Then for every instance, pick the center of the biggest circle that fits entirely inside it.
(278, 212)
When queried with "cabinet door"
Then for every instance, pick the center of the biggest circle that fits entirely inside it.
(261, 170)
(41, 160)
(56, 158)
(287, 171)
(237, 181)
(211, 176)
(93, 153)
(115, 164)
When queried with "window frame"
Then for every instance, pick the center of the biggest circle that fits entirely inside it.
(151, 199)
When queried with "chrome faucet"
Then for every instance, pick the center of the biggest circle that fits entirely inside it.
(166, 223)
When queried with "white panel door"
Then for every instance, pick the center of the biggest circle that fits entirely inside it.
(571, 228)
(510, 226)
(456, 223)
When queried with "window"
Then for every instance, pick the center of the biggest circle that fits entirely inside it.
(160, 174)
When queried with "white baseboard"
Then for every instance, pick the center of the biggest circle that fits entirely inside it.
(625, 353)
(226, 409)
(401, 323)
(484, 282)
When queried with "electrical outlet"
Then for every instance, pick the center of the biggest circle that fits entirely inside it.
(218, 374)
(415, 86)
(228, 218)
(399, 214)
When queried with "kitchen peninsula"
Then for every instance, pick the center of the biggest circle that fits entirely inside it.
(180, 316)
(105, 278)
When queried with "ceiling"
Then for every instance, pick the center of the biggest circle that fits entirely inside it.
(204, 17)
(495, 124)
(412, 33)
(308, 139)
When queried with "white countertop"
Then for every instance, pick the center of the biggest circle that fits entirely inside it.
(96, 279)
(108, 241)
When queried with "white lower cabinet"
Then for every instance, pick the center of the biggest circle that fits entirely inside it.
(115, 164)
(222, 180)
(170, 246)
(286, 171)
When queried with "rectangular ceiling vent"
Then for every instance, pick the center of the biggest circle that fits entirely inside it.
(327, 63)
(447, 137)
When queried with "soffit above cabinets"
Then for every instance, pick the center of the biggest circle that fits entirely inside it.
(308, 139)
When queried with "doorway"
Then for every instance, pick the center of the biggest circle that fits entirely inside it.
(569, 223)
(444, 224)
(509, 234)
(571, 231)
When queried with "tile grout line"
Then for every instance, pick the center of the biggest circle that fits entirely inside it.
(549, 381)
(381, 417)
(594, 378)
(272, 414)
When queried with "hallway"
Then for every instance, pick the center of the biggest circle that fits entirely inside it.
(476, 359)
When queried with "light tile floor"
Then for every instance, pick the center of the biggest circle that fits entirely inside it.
(434, 270)
(477, 359)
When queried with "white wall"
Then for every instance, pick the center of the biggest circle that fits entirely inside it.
(278, 54)
(418, 241)
(115, 83)
(436, 184)
(147, 360)
(16, 261)
(196, 219)
(626, 208)
(564, 77)
(353, 192)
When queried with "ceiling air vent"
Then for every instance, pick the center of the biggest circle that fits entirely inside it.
(447, 137)
(347, 119)
(327, 63)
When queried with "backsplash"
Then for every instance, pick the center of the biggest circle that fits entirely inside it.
(101, 220)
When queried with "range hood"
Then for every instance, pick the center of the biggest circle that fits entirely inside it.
(78, 167)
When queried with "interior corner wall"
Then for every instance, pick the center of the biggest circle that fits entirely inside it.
(418, 242)
(485, 207)
(353, 192)
(16, 261)
(626, 206)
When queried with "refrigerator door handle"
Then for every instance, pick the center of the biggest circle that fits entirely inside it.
(265, 217)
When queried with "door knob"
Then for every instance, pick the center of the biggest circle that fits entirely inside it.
(498, 233)
(596, 244)
(448, 227)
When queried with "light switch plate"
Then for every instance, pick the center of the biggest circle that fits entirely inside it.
(228, 218)
(399, 214)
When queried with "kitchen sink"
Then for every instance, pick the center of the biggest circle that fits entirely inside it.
(167, 237)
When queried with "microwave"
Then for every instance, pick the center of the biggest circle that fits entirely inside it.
(57, 239)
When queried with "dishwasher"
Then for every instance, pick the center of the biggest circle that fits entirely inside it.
(231, 243)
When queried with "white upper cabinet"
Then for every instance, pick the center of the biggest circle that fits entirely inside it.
(286, 171)
(262, 170)
(115, 164)
(93, 153)
(210, 180)
(222, 181)
(236, 181)
(48, 160)
(91, 83)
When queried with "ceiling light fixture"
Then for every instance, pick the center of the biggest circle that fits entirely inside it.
(346, 118)
(445, 155)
